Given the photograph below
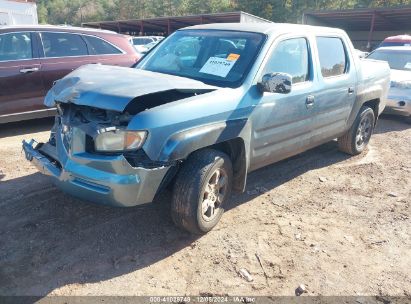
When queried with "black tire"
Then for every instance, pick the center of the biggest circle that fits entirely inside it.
(192, 187)
(357, 137)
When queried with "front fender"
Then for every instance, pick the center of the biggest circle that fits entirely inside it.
(234, 134)
(179, 145)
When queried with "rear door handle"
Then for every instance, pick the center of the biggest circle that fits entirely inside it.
(309, 102)
(350, 90)
(28, 70)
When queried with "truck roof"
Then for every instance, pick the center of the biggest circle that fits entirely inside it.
(265, 28)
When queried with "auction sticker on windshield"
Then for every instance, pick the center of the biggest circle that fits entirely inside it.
(218, 66)
(233, 57)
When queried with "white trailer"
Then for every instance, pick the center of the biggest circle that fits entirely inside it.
(18, 12)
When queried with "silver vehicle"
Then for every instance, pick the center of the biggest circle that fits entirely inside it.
(399, 95)
(208, 105)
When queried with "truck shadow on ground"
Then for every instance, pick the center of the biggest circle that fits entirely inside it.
(26, 127)
(391, 123)
(50, 239)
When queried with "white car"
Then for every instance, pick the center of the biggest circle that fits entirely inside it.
(140, 42)
(399, 96)
(145, 43)
(157, 38)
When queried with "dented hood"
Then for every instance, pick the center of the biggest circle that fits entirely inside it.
(112, 88)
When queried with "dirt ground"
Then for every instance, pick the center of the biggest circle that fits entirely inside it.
(338, 224)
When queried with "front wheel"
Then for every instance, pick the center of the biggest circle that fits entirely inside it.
(357, 137)
(202, 187)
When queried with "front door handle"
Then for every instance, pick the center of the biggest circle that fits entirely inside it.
(28, 70)
(309, 102)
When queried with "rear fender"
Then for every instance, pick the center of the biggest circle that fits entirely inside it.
(373, 93)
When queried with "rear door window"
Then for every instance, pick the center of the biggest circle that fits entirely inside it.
(15, 46)
(63, 45)
(98, 46)
(333, 58)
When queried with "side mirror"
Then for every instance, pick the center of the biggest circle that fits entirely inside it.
(276, 83)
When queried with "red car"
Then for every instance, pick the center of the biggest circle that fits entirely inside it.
(400, 40)
(33, 57)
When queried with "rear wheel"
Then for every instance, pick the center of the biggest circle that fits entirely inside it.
(357, 137)
(202, 187)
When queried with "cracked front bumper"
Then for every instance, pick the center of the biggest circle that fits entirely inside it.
(108, 180)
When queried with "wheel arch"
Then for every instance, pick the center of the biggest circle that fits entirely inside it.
(372, 100)
(374, 104)
(235, 149)
(231, 137)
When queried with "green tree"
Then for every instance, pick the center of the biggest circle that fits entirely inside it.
(77, 11)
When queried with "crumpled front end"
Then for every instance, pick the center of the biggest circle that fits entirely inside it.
(117, 179)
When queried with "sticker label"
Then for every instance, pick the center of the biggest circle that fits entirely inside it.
(408, 66)
(233, 57)
(218, 66)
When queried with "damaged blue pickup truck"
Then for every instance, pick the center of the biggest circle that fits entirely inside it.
(206, 106)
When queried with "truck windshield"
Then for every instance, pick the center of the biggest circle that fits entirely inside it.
(221, 58)
(398, 60)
